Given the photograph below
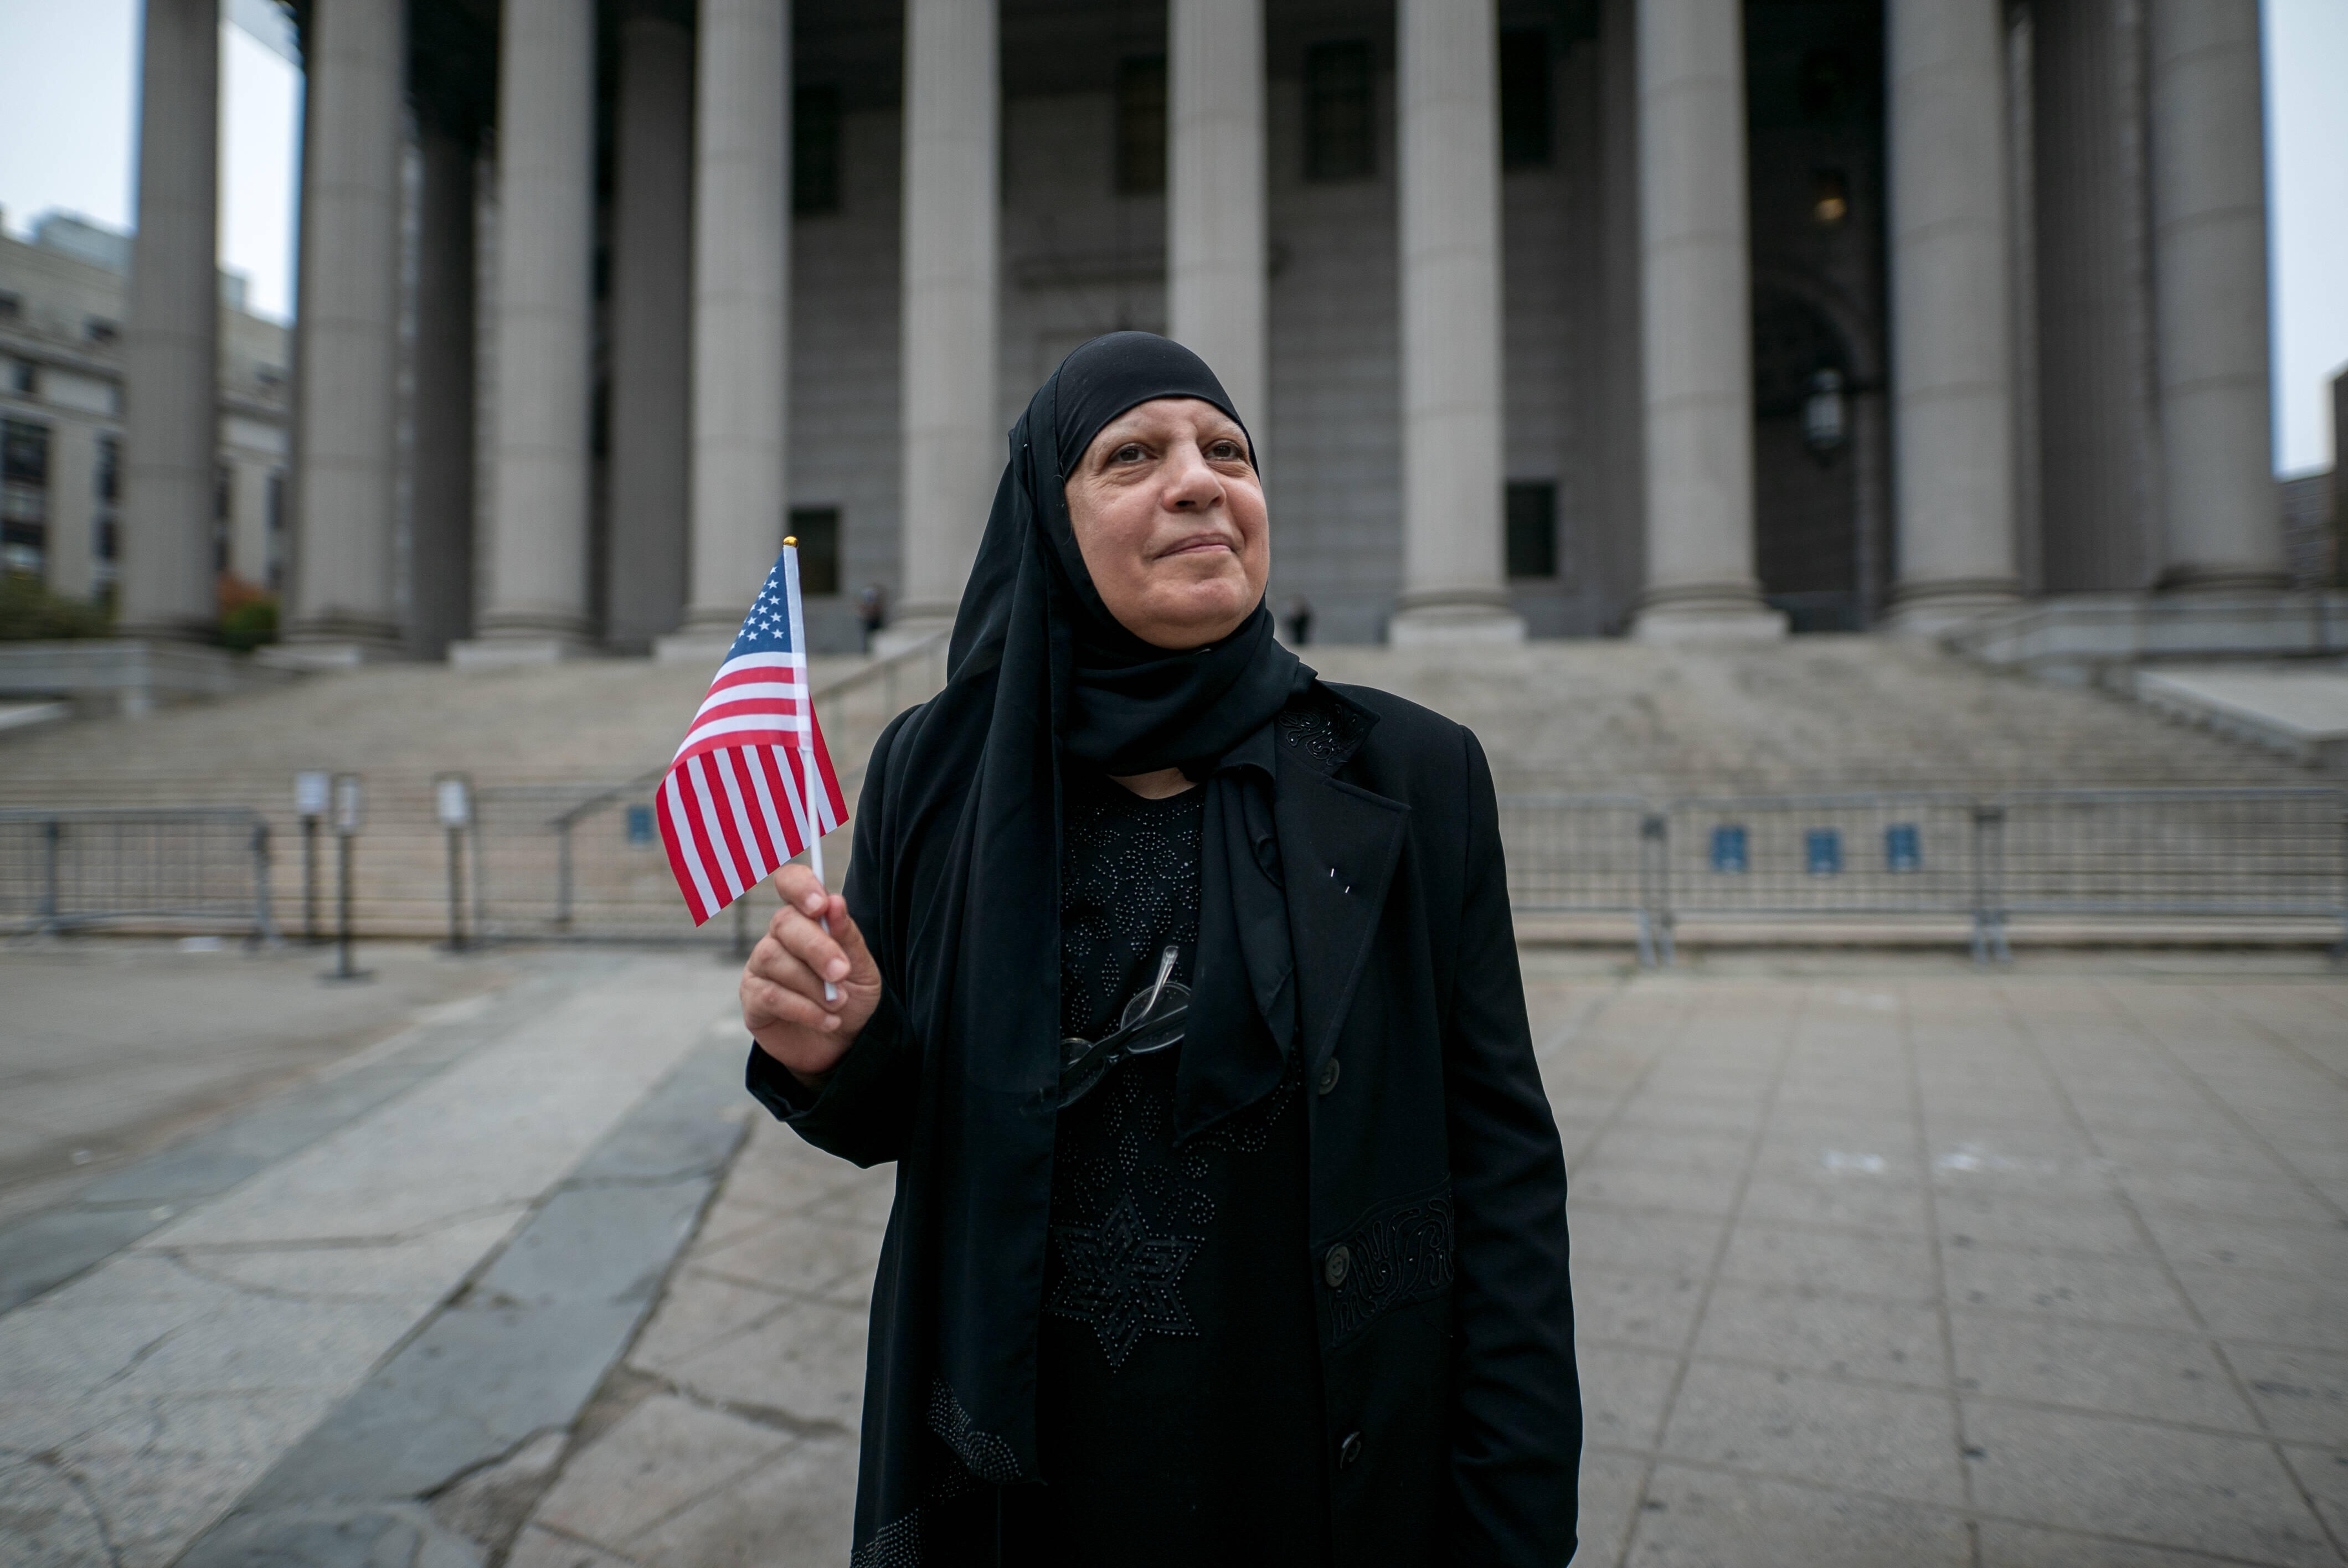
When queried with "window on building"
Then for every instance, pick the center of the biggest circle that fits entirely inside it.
(109, 481)
(818, 530)
(1533, 529)
(1141, 125)
(24, 378)
(1524, 98)
(1340, 114)
(24, 495)
(12, 307)
(99, 330)
(815, 150)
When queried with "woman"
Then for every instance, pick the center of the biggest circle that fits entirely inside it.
(1181, 988)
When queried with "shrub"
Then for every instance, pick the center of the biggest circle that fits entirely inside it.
(29, 612)
(245, 627)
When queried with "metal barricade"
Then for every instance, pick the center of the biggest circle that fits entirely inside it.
(2209, 854)
(1824, 856)
(191, 869)
(1587, 854)
(2128, 854)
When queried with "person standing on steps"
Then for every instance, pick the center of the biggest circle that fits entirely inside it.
(1181, 988)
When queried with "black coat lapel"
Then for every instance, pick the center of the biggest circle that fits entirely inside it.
(1338, 844)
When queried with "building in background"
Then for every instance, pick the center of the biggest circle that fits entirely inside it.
(1679, 318)
(64, 299)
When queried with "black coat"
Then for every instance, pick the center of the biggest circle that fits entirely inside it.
(1439, 1254)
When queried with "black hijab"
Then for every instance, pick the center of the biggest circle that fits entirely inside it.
(1041, 676)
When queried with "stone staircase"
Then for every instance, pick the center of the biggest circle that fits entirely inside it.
(1814, 715)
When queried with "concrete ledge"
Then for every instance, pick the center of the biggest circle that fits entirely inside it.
(2297, 711)
(128, 675)
(32, 715)
(2089, 639)
(504, 652)
(1452, 625)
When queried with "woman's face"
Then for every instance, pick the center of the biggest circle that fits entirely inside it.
(1169, 518)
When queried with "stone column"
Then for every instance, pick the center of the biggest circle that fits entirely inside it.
(953, 439)
(344, 608)
(1216, 261)
(537, 602)
(741, 315)
(1695, 327)
(441, 505)
(171, 344)
(652, 323)
(2209, 297)
(1952, 326)
(1454, 582)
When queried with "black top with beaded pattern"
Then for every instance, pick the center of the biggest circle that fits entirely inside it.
(1179, 1402)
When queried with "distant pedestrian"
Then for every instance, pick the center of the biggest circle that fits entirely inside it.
(1181, 988)
(1300, 621)
(873, 609)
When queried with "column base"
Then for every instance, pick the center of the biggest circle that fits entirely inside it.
(1434, 622)
(500, 653)
(1937, 609)
(692, 647)
(1725, 612)
(2222, 579)
(335, 643)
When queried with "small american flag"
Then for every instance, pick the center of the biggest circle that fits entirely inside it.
(735, 804)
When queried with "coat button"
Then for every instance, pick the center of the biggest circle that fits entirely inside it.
(1328, 1076)
(1349, 1451)
(1334, 1268)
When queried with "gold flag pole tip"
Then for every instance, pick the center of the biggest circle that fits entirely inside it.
(791, 539)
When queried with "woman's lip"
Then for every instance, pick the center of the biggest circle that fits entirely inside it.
(1204, 542)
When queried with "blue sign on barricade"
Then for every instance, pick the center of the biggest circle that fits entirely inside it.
(1822, 851)
(1903, 848)
(1728, 850)
(640, 824)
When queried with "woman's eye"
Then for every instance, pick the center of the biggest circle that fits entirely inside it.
(1224, 449)
(1131, 451)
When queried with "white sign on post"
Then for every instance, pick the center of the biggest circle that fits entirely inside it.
(350, 803)
(454, 800)
(310, 792)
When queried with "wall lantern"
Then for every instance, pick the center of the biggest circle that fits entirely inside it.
(1829, 197)
(1825, 415)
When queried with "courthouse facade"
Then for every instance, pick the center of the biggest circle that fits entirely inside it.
(1683, 318)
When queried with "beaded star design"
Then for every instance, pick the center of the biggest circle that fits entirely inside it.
(1121, 1278)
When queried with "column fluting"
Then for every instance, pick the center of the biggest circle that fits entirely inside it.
(172, 342)
(741, 312)
(1215, 261)
(1695, 327)
(1454, 583)
(536, 592)
(1951, 298)
(345, 595)
(2209, 297)
(952, 438)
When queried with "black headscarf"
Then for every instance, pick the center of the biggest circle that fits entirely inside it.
(1040, 675)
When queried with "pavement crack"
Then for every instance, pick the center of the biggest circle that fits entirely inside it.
(189, 1266)
(772, 1417)
(138, 1357)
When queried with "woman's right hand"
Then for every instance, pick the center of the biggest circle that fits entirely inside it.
(783, 1004)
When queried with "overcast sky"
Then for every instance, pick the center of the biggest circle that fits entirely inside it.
(68, 106)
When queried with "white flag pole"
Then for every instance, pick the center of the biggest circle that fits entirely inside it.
(811, 819)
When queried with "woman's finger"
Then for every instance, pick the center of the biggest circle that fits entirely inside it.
(774, 962)
(801, 937)
(764, 999)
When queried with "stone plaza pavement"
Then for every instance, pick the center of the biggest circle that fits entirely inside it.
(1879, 1260)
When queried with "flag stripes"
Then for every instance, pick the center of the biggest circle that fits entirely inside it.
(752, 785)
